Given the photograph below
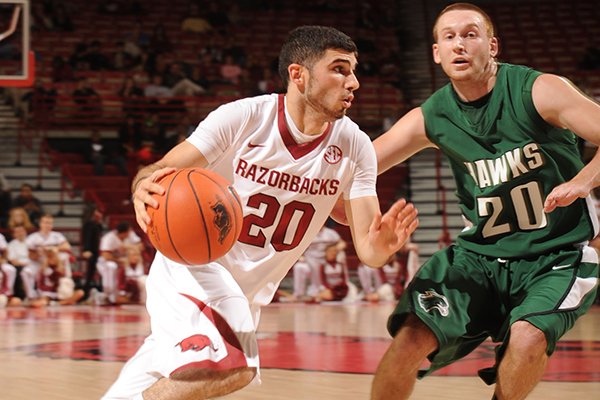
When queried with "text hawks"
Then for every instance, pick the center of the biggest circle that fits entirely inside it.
(491, 172)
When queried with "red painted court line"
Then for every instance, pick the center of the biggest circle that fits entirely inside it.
(573, 361)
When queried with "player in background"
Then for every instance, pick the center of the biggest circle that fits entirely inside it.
(113, 253)
(307, 269)
(334, 276)
(38, 242)
(521, 271)
(8, 275)
(289, 157)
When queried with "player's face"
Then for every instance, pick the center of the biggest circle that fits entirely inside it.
(463, 48)
(331, 83)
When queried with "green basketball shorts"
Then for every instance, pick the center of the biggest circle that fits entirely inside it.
(464, 298)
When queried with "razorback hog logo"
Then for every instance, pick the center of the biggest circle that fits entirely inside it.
(195, 343)
(221, 220)
(431, 300)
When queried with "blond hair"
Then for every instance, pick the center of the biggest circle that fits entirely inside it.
(470, 7)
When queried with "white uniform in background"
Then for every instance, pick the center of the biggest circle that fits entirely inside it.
(314, 256)
(36, 241)
(108, 269)
(9, 272)
(288, 186)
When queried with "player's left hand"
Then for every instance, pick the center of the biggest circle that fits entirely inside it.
(390, 231)
(566, 193)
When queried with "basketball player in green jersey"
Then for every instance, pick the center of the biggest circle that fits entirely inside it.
(520, 272)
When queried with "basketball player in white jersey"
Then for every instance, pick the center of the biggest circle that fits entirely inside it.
(289, 157)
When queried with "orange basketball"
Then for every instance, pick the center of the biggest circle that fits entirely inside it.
(198, 218)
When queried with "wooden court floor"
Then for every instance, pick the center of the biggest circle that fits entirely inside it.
(316, 352)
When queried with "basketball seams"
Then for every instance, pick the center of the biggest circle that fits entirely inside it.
(226, 196)
(239, 203)
(166, 207)
(184, 234)
(206, 232)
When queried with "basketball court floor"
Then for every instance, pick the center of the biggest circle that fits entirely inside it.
(316, 352)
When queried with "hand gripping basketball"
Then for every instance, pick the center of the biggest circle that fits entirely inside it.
(198, 219)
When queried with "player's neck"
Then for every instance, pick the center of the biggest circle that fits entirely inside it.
(474, 89)
(305, 118)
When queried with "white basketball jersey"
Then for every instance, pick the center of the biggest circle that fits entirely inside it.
(287, 189)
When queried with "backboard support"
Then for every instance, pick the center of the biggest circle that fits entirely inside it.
(17, 70)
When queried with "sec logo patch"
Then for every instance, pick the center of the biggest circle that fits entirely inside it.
(333, 154)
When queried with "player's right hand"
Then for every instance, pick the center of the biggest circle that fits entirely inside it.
(142, 197)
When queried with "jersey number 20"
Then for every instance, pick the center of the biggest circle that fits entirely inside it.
(528, 205)
(295, 215)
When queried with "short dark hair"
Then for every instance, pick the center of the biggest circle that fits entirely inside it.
(123, 227)
(306, 44)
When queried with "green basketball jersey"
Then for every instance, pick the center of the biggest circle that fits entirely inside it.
(505, 160)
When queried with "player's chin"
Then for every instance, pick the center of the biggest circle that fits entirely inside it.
(340, 113)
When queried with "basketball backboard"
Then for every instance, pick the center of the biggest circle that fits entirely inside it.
(17, 61)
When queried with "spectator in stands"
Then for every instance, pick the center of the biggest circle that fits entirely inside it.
(113, 248)
(88, 100)
(31, 204)
(590, 59)
(157, 89)
(194, 22)
(55, 281)
(41, 99)
(334, 276)
(159, 40)
(18, 256)
(217, 17)
(132, 96)
(61, 18)
(268, 83)
(95, 57)
(62, 71)
(98, 153)
(146, 154)
(230, 71)
(154, 131)
(135, 45)
(177, 79)
(5, 201)
(120, 60)
(91, 233)
(130, 133)
(77, 59)
(18, 216)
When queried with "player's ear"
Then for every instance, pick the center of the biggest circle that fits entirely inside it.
(494, 47)
(296, 74)
(436, 53)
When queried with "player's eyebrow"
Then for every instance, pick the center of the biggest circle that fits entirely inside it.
(344, 61)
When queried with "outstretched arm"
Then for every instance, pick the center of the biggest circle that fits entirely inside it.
(561, 104)
(378, 236)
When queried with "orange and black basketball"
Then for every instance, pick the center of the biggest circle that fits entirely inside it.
(198, 219)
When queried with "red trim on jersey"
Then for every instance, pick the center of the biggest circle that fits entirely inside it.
(296, 150)
(235, 354)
